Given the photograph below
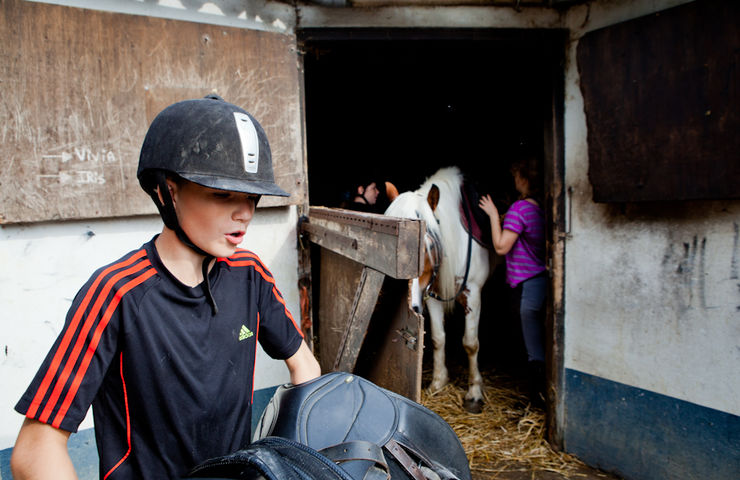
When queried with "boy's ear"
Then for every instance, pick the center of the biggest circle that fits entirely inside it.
(360, 190)
(171, 187)
(159, 195)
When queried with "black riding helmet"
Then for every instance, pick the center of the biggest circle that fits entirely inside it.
(212, 143)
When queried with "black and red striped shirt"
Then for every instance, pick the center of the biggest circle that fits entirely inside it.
(170, 383)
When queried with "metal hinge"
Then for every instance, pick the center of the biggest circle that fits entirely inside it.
(409, 336)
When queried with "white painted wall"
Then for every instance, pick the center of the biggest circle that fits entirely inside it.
(651, 293)
(44, 265)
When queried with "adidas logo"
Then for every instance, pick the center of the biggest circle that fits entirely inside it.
(244, 333)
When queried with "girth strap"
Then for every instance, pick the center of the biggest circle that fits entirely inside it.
(404, 459)
(359, 451)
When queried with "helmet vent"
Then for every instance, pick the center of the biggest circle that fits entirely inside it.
(249, 140)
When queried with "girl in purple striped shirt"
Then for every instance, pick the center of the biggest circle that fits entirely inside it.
(522, 240)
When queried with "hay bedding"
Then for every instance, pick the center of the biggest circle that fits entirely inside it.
(508, 436)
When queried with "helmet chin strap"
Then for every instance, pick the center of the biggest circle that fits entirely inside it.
(167, 211)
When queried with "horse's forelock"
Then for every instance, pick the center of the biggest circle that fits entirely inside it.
(413, 205)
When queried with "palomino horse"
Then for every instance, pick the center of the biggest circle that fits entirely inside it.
(455, 269)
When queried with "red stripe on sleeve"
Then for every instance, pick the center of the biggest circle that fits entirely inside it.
(82, 337)
(94, 342)
(69, 333)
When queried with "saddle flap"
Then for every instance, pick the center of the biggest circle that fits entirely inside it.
(428, 436)
(271, 458)
(329, 410)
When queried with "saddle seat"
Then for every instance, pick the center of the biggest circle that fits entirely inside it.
(479, 225)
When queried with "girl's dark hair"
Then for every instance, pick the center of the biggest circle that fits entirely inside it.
(530, 168)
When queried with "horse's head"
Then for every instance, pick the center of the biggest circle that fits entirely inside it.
(416, 205)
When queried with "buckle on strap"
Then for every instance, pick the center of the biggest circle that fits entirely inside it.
(359, 450)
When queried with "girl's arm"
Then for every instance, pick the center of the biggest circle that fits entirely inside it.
(503, 239)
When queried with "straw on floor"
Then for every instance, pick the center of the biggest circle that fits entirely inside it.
(508, 435)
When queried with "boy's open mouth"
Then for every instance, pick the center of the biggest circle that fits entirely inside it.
(235, 237)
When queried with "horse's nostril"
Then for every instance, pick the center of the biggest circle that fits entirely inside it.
(416, 309)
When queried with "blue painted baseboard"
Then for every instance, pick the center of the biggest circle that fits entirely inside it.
(84, 454)
(641, 435)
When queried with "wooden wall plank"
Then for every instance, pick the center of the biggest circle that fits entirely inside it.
(662, 105)
(81, 86)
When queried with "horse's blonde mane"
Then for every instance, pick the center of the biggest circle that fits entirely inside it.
(443, 222)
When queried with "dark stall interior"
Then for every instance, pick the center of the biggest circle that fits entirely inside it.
(397, 105)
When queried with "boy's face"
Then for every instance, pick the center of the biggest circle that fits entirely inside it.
(214, 220)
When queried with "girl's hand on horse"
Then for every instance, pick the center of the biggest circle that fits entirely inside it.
(487, 205)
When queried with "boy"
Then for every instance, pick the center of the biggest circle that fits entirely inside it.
(162, 342)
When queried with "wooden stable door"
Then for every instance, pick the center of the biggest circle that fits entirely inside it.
(365, 321)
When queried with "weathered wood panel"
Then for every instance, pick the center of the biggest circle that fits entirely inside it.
(81, 87)
(393, 351)
(389, 245)
(338, 281)
(662, 105)
(358, 320)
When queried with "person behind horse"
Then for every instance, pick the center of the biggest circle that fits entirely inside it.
(522, 240)
(162, 342)
(370, 195)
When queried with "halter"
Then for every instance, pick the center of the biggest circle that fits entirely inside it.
(435, 254)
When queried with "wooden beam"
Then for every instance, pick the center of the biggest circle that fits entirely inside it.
(386, 244)
(361, 311)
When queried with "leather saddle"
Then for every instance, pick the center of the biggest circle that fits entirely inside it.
(369, 432)
(339, 413)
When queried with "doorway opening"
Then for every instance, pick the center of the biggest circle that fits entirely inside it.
(399, 104)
